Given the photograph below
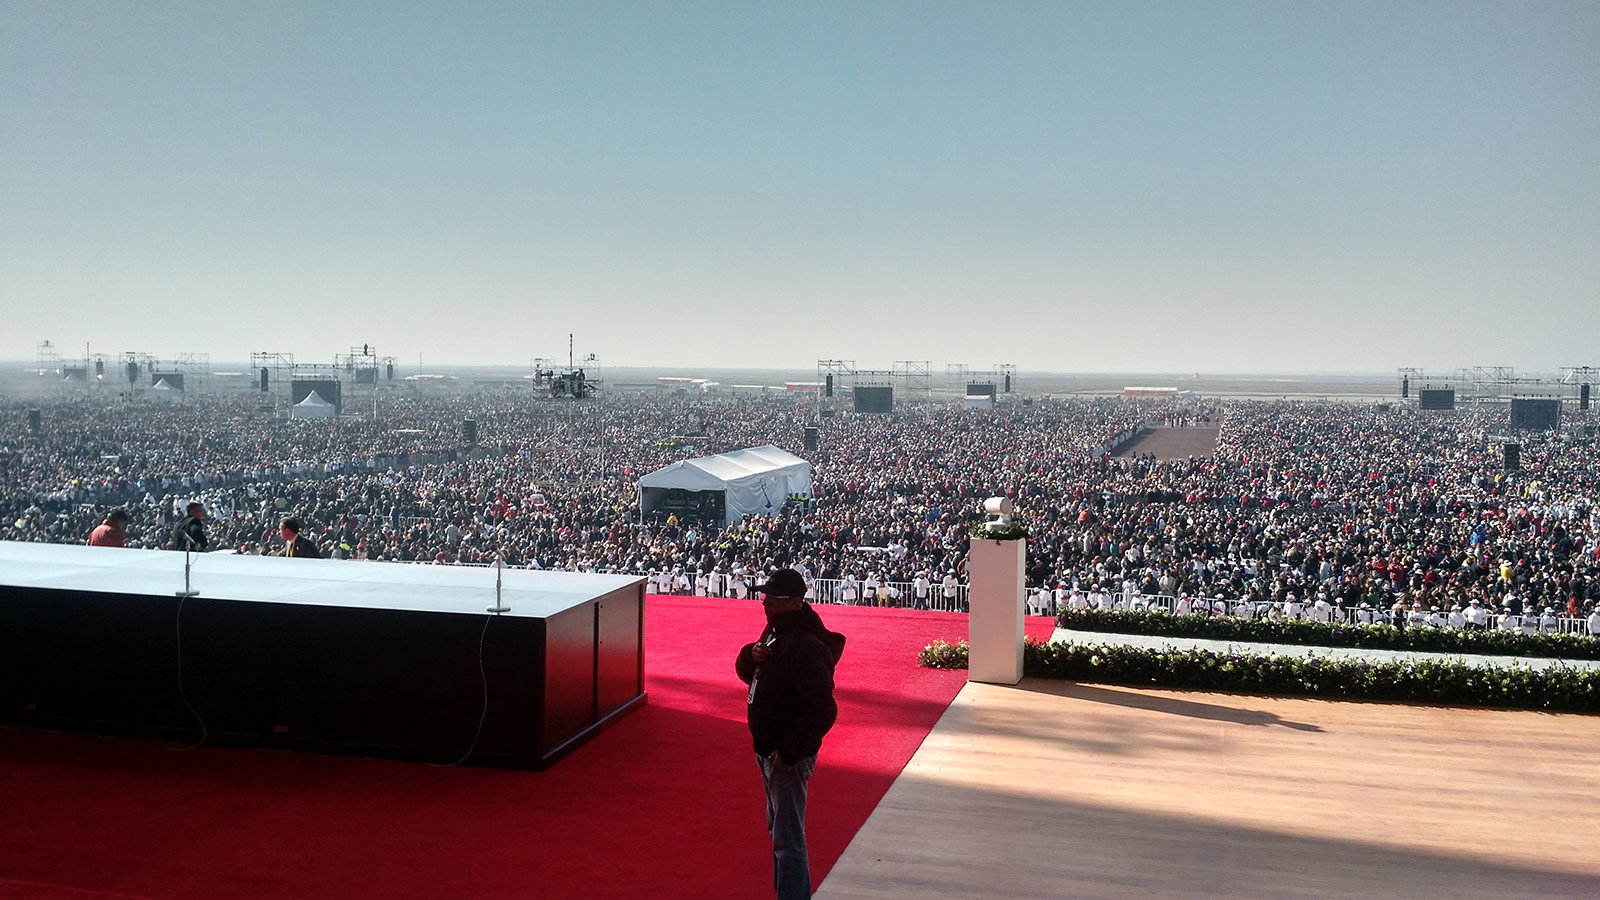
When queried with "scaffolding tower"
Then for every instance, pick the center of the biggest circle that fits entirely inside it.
(1489, 384)
(103, 368)
(582, 379)
(136, 365)
(49, 360)
(1407, 380)
(362, 366)
(272, 373)
(1580, 382)
(840, 369)
(195, 368)
(956, 376)
(1005, 375)
(914, 378)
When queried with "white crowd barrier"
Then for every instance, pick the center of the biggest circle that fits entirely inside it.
(893, 593)
(1337, 614)
(903, 594)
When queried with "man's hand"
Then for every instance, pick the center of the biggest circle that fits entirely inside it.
(760, 653)
(778, 765)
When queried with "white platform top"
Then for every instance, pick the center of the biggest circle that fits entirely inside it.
(357, 584)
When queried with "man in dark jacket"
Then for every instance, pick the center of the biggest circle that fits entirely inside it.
(190, 532)
(789, 707)
(294, 544)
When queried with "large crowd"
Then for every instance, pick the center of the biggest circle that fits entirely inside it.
(1340, 504)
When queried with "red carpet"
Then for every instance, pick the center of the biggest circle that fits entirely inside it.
(666, 804)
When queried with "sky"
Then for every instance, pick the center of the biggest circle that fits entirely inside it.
(1061, 186)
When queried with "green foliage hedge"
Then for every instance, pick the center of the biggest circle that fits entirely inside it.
(986, 531)
(1324, 634)
(1417, 681)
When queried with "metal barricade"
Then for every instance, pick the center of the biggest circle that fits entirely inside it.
(833, 591)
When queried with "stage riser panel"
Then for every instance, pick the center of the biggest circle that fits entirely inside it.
(395, 683)
(569, 690)
(619, 641)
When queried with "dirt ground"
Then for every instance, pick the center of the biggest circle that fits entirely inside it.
(1173, 443)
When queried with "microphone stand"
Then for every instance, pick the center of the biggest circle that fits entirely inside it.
(188, 547)
(499, 601)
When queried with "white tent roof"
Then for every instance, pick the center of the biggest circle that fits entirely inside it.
(312, 407)
(163, 392)
(756, 479)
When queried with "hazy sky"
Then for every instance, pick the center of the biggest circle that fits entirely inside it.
(1286, 186)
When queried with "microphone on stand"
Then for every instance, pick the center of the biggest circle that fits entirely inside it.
(499, 601)
(189, 545)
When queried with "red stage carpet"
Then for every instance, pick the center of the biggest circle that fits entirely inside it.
(666, 804)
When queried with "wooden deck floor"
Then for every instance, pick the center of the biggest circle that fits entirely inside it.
(1053, 789)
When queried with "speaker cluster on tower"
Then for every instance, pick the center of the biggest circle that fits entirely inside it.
(34, 421)
(469, 431)
(1583, 396)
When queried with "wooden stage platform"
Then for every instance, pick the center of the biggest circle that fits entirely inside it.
(1057, 790)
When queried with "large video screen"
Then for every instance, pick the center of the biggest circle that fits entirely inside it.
(1535, 413)
(1436, 398)
(874, 399)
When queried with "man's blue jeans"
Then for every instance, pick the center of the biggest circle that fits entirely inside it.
(786, 822)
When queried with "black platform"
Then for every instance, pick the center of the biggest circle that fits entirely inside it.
(364, 658)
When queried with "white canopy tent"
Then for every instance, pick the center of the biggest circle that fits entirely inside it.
(312, 407)
(163, 392)
(752, 481)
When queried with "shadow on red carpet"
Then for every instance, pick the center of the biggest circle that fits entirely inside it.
(665, 804)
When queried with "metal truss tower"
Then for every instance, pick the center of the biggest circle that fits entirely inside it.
(956, 376)
(49, 359)
(1005, 374)
(914, 378)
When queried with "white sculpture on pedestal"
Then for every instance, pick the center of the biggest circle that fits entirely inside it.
(994, 573)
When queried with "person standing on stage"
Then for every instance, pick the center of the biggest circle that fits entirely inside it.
(190, 532)
(293, 543)
(789, 707)
(110, 532)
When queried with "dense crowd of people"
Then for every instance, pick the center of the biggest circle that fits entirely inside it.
(1340, 511)
(552, 485)
(1338, 504)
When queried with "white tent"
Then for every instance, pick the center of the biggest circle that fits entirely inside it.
(312, 407)
(163, 392)
(755, 481)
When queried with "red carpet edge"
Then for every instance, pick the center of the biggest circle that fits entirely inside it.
(666, 804)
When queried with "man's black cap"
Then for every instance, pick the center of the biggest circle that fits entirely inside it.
(783, 583)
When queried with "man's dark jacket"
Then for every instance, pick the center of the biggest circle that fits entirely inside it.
(304, 547)
(790, 702)
(194, 528)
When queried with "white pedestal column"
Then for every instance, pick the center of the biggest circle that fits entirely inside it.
(994, 627)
